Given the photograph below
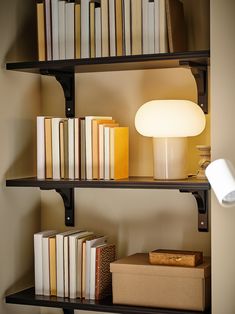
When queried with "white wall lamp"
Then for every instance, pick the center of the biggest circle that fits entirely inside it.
(221, 175)
(170, 122)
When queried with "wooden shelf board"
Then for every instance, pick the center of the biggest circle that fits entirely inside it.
(190, 184)
(121, 63)
(28, 297)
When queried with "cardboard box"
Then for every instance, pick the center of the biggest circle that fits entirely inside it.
(137, 282)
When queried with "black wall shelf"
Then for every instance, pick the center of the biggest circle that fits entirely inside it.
(28, 297)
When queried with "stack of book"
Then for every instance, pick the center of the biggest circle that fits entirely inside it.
(72, 264)
(92, 147)
(102, 28)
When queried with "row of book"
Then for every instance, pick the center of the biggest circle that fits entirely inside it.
(102, 28)
(91, 147)
(73, 264)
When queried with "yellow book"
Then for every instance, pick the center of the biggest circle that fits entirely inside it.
(92, 28)
(119, 30)
(41, 32)
(95, 145)
(77, 29)
(52, 265)
(48, 147)
(119, 153)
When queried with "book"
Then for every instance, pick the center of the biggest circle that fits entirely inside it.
(98, 32)
(41, 31)
(48, 147)
(104, 28)
(52, 265)
(71, 166)
(76, 148)
(163, 27)
(85, 47)
(66, 149)
(151, 24)
(107, 150)
(95, 145)
(38, 261)
(112, 28)
(88, 141)
(176, 257)
(61, 29)
(48, 29)
(119, 27)
(103, 281)
(92, 28)
(55, 28)
(82, 148)
(177, 31)
(145, 29)
(55, 126)
(136, 27)
(41, 161)
(119, 153)
(89, 244)
(69, 30)
(77, 21)
(127, 26)
(156, 26)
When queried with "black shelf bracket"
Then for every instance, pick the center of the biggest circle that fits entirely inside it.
(68, 311)
(67, 81)
(199, 72)
(68, 199)
(201, 197)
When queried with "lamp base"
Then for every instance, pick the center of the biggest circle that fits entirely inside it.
(170, 158)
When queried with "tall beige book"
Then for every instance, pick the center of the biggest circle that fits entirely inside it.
(163, 39)
(92, 28)
(48, 147)
(61, 137)
(136, 26)
(119, 153)
(77, 21)
(52, 265)
(95, 145)
(104, 28)
(119, 27)
(41, 31)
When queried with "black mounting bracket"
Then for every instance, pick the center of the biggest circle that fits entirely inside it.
(68, 311)
(199, 72)
(67, 81)
(68, 198)
(201, 197)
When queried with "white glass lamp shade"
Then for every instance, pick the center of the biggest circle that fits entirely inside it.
(221, 176)
(170, 122)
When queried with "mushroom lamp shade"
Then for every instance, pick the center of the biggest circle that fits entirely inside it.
(221, 175)
(170, 122)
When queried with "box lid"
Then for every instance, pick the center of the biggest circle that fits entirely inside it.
(139, 264)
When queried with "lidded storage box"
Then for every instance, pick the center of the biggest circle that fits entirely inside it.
(137, 282)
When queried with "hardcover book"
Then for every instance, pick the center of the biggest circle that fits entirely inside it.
(176, 258)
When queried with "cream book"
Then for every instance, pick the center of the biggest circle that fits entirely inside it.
(69, 30)
(48, 147)
(62, 30)
(104, 28)
(56, 147)
(71, 150)
(127, 26)
(85, 47)
(112, 28)
(76, 148)
(136, 26)
(48, 29)
(163, 27)
(55, 28)
(98, 32)
(119, 153)
(41, 31)
(156, 26)
(107, 129)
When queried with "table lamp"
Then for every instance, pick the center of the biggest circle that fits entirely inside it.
(170, 122)
(221, 175)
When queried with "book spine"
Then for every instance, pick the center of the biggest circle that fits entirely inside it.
(40, 148)
(41, 32)
(48, 147)
(55, 28)
(62, 30)
(85, 47)
(69, 30)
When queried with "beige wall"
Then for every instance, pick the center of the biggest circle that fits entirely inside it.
(222, 137)
(19, 103)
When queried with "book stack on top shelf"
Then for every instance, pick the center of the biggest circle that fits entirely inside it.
(91, 147)
(72, 264)
(103, 28)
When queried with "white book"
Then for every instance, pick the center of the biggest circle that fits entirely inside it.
(85, 44)
(71, 147)
(48, 29)
(55, 148)
(46, 263)
(73, 293)
(40, 148)
(82, 153)
(163, 27)
(145, 14)
(62, 30)
(69, 30)
(66, 267)
(88, 135)
(97, 32)
(38, 260)
(156, 26)
(93, 270)
(127, 26)
(112, 28)
(76, 149)
(89, 245)
(151, 37)
(55, 28)
(60, 261)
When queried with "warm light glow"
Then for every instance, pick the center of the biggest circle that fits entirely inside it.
(170, 118)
